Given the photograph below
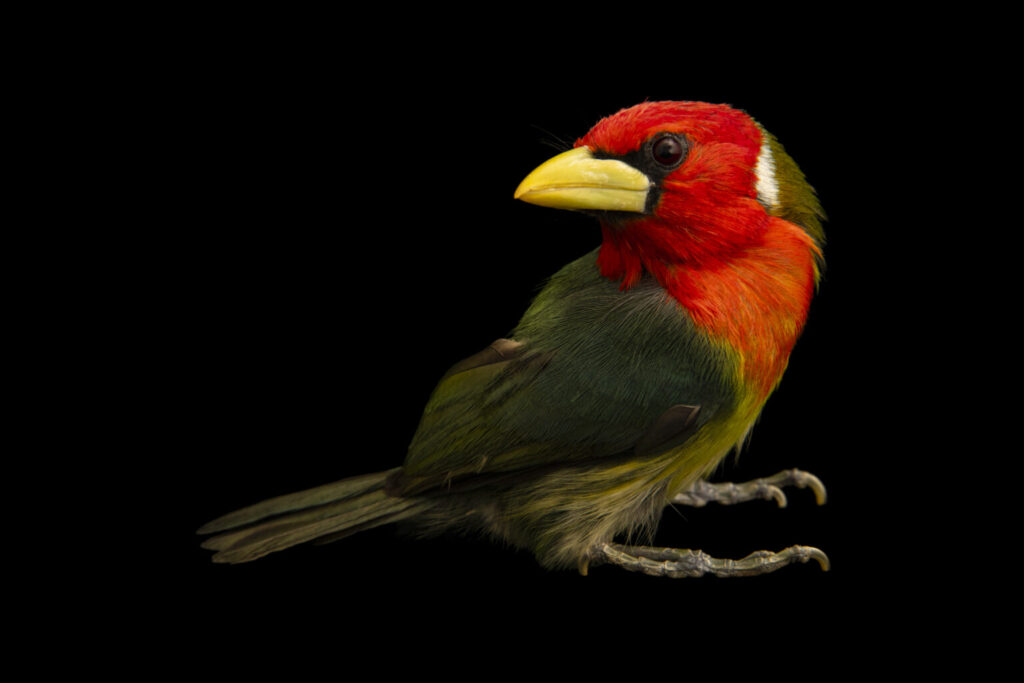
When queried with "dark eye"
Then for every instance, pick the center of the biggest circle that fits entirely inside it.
(668, 150)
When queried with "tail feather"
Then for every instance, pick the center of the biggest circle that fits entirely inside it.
(323, 513)
(320, 495)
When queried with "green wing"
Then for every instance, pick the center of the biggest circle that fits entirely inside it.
(591, 372)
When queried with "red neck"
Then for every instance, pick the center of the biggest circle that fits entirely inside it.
(751, 290)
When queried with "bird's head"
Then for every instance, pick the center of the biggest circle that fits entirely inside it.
(676, 184)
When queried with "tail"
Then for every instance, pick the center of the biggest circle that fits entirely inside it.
(325, 513)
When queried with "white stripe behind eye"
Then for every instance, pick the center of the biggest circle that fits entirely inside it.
(767, 187)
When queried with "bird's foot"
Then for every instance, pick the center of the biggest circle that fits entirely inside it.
(680, 563)
(765, 488)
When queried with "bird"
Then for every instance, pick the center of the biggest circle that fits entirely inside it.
(635, 371)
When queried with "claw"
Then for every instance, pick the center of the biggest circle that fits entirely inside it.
(803, 480)
(776, 493)
(815, 554)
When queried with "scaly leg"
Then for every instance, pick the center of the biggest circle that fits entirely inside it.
(677, 563)
(680, 563)
(765, 488)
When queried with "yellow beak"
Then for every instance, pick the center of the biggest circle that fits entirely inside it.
(576, 180)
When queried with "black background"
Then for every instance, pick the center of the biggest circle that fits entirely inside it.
(332, 228)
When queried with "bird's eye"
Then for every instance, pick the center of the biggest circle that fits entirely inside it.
(668, 150)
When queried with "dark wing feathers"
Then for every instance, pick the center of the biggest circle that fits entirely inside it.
(671, 429)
